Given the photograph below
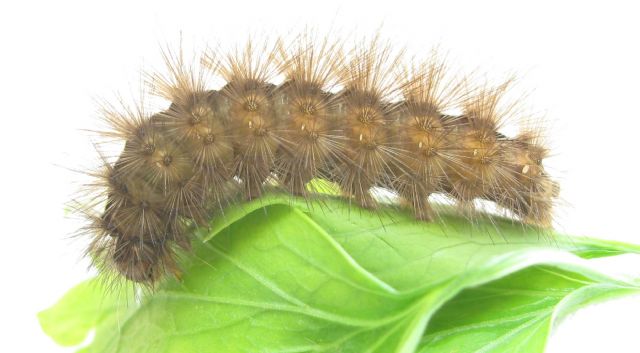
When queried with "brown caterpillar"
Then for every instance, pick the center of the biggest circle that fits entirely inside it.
(362, 118)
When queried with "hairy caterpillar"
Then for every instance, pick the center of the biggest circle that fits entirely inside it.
(361, 118)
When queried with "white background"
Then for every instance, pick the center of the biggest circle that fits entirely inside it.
(580, 62)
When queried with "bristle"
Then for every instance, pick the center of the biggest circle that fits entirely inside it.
(310, 137)
(253, 122)
(186, 198)
(530, 193)
(361, 119)
(428, 144)
(184, 80)
(141, 260)
(197, 124)
(480, 147)
(140, 147)
(365, 117)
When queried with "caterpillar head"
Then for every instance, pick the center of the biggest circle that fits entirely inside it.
(138, 258)
(142, 261)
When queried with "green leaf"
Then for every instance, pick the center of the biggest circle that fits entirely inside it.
(286, 275)
(513, 314)
(86, 306)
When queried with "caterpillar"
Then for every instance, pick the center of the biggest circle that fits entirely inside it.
(362, 118)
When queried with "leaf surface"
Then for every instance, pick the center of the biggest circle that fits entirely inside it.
(286, 275)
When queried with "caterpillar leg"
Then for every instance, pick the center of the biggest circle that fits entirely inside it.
(362, 194)
(417, 198)
(422, 209)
